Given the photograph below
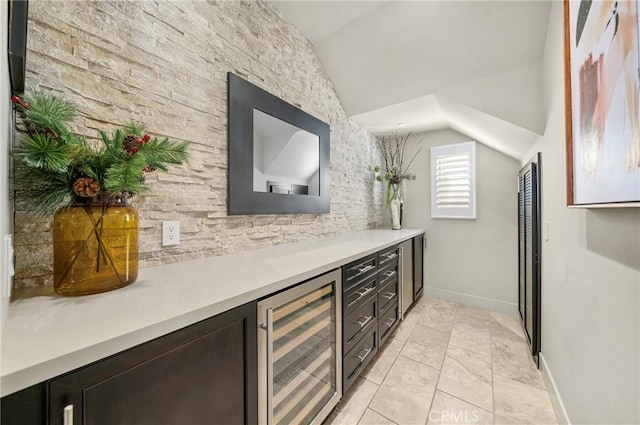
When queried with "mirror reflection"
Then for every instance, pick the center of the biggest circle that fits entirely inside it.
(286, 159)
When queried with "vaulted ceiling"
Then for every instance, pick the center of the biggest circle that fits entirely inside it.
(473, 66)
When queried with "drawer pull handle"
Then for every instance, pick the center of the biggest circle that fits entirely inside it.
(391, 256)
(366, 269)
(364, 356)
(389, 322)
(389, 274)
(389, 296)
(67, 417)
(365, 322)
(365, 292)
(361, 294)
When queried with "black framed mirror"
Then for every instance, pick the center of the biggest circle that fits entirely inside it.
(17, 48)
(278, 154)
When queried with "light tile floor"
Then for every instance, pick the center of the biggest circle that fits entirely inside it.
(449, 364)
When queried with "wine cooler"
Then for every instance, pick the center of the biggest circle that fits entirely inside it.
(299, 354)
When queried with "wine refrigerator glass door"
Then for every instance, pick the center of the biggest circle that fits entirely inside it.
(299, 357)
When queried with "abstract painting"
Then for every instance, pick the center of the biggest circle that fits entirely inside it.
(602, 90)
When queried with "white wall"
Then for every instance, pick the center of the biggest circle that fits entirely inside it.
(590, 279)
(470, 261)
(314, 184)
(5, 125)
(270, 150)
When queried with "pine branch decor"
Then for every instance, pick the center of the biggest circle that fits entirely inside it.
(55, 168)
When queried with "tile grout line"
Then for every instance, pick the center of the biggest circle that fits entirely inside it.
(475, 353)
(374, 410)
(495, 329)
(386, 374)
(367, 406)
(503, 376)
(383, 379)
(435, 390)
(465, 401)
(493, 375)
(380, 386)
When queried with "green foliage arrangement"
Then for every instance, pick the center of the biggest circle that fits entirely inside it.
(55, 168)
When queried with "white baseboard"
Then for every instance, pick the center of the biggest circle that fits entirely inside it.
(472, 300)
(554, 395)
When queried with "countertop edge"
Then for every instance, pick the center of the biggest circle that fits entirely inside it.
(38, 371)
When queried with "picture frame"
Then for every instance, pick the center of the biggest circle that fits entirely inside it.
(17, 46)
(602, 103)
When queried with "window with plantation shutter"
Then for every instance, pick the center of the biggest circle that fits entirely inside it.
(453, 181)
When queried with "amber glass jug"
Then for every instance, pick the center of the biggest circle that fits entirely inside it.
(95, 248)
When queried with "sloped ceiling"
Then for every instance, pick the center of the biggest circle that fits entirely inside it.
(473, 66)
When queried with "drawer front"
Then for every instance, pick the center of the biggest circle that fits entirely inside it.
(358, 323)
(387, 276)
(387, 257)
(389, 320)
(354, 273)
(388, 295)
(358, 294)
(358, 358)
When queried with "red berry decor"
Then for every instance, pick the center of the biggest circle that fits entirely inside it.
(18, 102)
(146, 138)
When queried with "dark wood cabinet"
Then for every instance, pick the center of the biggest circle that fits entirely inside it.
(357, 359)
(388, 258)
(388, 322)
(359, 316)
(358, 292)
(388, 292)
(358, 323)
(207, 373)
(203, 374)
(25, 407)
(370, 287)
(418, 266)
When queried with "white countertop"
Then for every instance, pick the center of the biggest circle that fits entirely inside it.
(48, 336)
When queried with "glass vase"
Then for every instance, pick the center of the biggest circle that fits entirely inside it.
(95, 248)
(395, 204)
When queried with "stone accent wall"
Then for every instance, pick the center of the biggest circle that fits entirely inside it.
(165, 64)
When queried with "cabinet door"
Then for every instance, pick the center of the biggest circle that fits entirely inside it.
(356, 360)
(25, 407)
(418, 265)
(388, 322)
(203, 374)
(529, 253)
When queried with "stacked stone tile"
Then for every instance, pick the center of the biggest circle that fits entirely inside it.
(165, 64)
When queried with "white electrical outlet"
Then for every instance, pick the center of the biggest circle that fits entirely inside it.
(170, 233)
(7, 266)
(545, 231)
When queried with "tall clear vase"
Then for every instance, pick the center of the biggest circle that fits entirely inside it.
(395, 204)
(395, 214)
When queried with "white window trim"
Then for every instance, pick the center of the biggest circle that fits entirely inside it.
(446, 150)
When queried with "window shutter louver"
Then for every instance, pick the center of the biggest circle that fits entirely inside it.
(453, 181)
